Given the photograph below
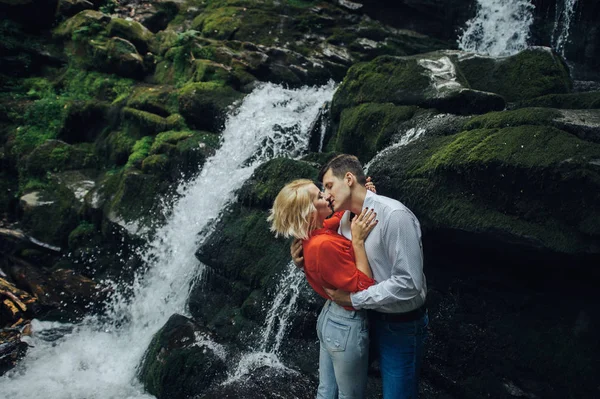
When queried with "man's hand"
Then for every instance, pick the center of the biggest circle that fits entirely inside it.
(296, 252)
(340, 297)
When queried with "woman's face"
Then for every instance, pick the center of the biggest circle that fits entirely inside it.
(321, 204)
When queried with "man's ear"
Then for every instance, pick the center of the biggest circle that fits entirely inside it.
(349, 178)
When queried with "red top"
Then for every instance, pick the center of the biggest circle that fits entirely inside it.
(329, 261)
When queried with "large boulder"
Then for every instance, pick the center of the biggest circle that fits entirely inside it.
(505, 181)
(182, 360)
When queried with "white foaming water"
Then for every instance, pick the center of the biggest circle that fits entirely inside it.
(500, 28)
(562, 24)
(407, 138)
(97, 359)
(278, 316)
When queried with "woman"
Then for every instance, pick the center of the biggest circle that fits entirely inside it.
(331, 261)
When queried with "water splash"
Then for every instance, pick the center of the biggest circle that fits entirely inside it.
(277, 318)
(97, 358)
(408, 137)
(500, 28)
(562, 25)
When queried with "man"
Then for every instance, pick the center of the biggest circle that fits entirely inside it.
(398, 317)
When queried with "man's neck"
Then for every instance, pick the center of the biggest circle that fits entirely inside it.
(358, 199)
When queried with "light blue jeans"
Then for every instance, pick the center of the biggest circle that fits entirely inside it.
(344, 353)
(401, 349)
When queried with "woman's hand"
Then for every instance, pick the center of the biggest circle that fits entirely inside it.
(362, 225)
(370, 185)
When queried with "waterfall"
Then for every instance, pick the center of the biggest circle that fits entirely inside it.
(97, 358)
(562, 24)
(500, 27)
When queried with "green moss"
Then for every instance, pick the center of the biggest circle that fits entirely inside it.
(219, 23)
(524, 146)
(157, 164)
(119, 145)
(535, 183)
(156, 99)
(44, 118)
(144, 122)
(385, 79)
(526, 75)
(131, 31)
(170, 137)
(81, 84)
(140, 150)
(82, 234)
(262, 188)
(366, 129)
(526, 116)
(587, 100)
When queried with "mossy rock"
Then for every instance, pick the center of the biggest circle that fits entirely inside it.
(174, 366)
(187, 151)
(204, 105)
(56, 155)
(366, 129)
(117, 146)
(268, 179)
(529, 186)
(219, 23)
(586, 100)
(157, 164)
(84, 121)
(121, 57)
(86, 22)
(49, 215)
(85, 234)
(159, 100)
(525, 116)
(86, 85)
(146, 123)
(413, 80)
(531, 73)
(134, 199)
(133, 32)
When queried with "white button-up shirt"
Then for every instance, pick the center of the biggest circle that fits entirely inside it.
(395, 254)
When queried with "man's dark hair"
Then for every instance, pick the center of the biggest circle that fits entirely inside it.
(342, 164)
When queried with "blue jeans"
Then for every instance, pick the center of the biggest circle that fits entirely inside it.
(401, 349)
(344, 352)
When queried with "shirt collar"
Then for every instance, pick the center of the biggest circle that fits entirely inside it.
(369, 199)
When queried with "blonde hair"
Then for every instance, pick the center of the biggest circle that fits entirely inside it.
(293, 213)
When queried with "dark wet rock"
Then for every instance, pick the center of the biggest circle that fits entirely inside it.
(265, 383)
(68, 8)
(182, 360)
(528, 186)
(39, 13)
(61, 294)
(12, 349)
(204, 105)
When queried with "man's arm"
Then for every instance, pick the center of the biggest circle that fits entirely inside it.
(402, 242)
(296, 252)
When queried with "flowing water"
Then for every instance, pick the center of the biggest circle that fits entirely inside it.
(562, 24)
(97, 358)
(500, 27)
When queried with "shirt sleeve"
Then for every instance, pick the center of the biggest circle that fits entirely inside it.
(338, 268)
(402, 241)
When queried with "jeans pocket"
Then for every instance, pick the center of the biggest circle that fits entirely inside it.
(335, 336)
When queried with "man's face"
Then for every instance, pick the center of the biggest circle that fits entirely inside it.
(321, 204)
(337, 192)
